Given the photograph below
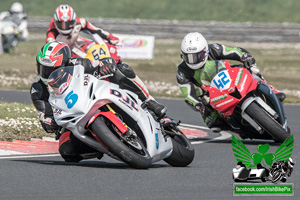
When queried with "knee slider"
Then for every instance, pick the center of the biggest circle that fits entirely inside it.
(68, 152)
(67, 148)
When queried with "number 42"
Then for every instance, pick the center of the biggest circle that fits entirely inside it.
(223, 80)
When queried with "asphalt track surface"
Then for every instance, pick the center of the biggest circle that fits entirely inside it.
(208, 177)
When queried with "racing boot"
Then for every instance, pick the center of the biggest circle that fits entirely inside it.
(213, 121)
(281, 96)
(158, 109)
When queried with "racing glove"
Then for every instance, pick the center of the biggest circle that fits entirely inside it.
(107, 66)
(49, 125)
(205, 110)
(248, 60)
(168, 122)
(55, 127)
(112, 39)
(199, 107)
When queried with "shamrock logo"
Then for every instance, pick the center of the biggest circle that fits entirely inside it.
(242, 153)
(267, 158)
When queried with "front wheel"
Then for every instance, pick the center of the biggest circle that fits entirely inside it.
(127, 148)
(267, 122)
(183, 152)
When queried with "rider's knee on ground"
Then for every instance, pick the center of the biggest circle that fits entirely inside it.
(70, 148)
(214, 121)
(68, 152)
(67, 148)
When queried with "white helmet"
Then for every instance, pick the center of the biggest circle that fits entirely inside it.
(64, 19)
(194, 49)
(16, 8)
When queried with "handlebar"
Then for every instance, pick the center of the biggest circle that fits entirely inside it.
(105, 76)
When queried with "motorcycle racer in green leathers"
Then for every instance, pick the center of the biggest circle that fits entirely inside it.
(200, 61)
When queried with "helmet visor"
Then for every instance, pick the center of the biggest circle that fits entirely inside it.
(62, 25)
(195, 58)
(45, 71)
(60, 80)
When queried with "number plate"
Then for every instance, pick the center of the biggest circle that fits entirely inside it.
(221, 81)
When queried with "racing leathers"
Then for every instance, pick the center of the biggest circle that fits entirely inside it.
(20, 20)
(70, 148)
(80, 25)
(190, 80)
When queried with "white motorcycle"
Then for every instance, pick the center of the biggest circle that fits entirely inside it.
(114, 121)
(9, 36)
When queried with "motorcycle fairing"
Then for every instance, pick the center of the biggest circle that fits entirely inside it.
(94, 48)
(270, 95)
(112, 117)
(92, 95)
(237, 82)
(97, 52)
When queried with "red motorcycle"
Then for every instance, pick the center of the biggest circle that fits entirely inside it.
(91, 46)
(247, 103)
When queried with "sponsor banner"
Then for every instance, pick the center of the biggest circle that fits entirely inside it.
(135, 46)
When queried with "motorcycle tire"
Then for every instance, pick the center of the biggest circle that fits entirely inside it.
(141, 160)
(267, 122)
(183, 152)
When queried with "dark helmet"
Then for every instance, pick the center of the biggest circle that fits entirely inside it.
(52, 56)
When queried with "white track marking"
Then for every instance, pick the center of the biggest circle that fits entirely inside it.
(29, 156)
(7, 152)
(224, 135)
(193, 126)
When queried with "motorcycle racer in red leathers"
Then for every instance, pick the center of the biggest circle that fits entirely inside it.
(66, 27)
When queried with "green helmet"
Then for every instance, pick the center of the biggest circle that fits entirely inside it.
(52, 56)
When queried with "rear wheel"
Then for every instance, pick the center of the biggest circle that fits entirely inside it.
(126, 147)
(267, 122)
(183, 152)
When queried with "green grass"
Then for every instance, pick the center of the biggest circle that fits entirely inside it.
(196, 10)
(19, 121)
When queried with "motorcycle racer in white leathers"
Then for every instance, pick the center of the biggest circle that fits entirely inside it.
(54, 55)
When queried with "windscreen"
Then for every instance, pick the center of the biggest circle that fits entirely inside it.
(60, 80)
(216, 76)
